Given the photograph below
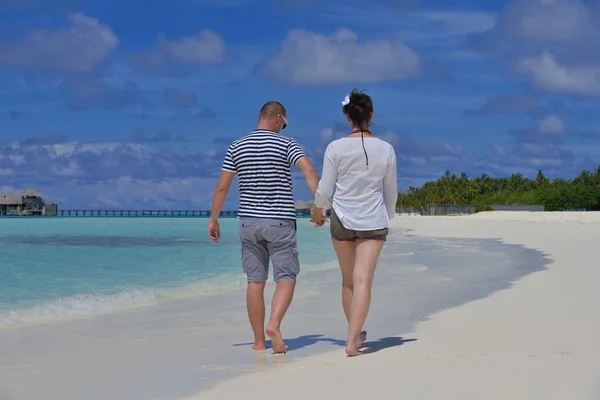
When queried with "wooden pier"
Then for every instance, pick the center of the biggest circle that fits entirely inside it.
(142, 213)
(154, 213)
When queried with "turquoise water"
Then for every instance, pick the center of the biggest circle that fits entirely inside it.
(57, 267)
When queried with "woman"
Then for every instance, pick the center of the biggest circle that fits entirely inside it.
(362, 168)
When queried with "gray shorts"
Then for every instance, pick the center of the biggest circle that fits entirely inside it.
(341, 233)
(263, 239)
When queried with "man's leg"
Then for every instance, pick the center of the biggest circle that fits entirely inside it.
(255, 299)
(283, 251)
(281, 302)
(255, 262)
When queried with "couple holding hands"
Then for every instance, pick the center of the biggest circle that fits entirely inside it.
(362, 170)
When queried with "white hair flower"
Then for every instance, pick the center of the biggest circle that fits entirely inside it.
(346, 100)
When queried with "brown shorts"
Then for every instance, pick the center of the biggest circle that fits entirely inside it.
(340, 232)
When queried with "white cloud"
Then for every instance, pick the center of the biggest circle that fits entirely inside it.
(70, 149)
(310, 59)
(554, 42)
(423, 26)
(205, 48)
(112, 174)
(78, 48)
(453, 23)
(326, 135)
(551, 125)
(126, 192)
(550, 21)
(528, 157)
(549, 74)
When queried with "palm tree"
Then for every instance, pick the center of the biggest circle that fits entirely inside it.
(585, 177)
(455, 189)
(541, 180)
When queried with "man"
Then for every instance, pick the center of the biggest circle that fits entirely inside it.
(267, 215)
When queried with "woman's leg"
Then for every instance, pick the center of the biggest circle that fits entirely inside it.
(367, 254)
(346, 254)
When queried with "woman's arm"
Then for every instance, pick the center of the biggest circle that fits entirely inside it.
(390, 185)
(328, 179)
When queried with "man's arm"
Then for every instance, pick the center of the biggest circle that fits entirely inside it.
(297, 157)
(227, 174)
(310, 175)
(220, 195)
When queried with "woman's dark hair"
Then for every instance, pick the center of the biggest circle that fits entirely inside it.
(359, 109)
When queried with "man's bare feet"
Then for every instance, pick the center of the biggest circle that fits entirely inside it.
(277, 344)
(259, 347)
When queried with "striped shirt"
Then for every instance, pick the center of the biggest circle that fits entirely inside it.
(262, 161)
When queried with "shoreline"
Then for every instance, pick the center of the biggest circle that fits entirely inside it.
(40, 303)
(188, 345)
(131, 299)
(532, 340)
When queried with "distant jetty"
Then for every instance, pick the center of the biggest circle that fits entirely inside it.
(30, 203)
(144, 214)
(155, 213)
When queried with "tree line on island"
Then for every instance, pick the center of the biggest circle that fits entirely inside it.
(581, 192)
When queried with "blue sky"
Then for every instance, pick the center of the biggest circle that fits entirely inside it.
(120, 104)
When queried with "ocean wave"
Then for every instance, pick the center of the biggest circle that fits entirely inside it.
(93, 304)
(392, 255)
(85, 305)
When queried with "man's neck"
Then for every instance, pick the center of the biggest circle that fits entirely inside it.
(265, 127)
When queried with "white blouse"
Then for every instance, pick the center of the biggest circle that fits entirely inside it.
(365, 195)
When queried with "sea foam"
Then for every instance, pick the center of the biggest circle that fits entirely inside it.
(84, 305)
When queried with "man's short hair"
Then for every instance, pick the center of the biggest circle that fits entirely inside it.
(272, 109)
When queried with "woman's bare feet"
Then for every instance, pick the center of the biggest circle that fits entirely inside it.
(363, 337)
(277, 343)
(353, 351)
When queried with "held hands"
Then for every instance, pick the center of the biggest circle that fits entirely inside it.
(317, 216)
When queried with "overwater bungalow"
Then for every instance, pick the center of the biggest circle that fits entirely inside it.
(29, 202)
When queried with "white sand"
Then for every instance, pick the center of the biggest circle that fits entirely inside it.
(539, 339)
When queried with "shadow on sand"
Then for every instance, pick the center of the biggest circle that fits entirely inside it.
(372, 346)
(302, 342)
(384, 343)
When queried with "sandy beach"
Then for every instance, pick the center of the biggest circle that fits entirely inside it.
(536, 340)
(490, 306)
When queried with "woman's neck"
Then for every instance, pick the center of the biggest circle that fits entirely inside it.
(360, 133)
